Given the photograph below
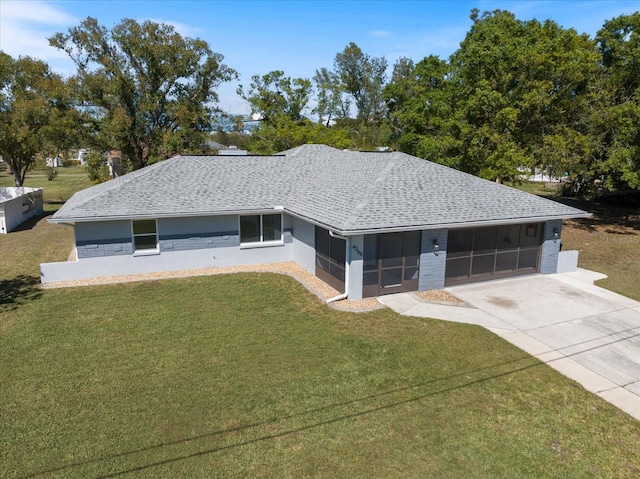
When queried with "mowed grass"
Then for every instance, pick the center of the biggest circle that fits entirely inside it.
(609, 242)
(249, 375)
(68, 181)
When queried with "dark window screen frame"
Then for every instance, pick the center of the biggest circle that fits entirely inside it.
(261, 228)
(144, 235)
(476, 254)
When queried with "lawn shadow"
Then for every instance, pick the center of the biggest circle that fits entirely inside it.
(604, 214)
(32, 222)
(18, 290)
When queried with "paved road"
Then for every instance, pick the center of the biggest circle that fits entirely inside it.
(587, 333)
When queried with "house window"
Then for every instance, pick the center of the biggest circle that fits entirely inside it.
(145, 235)
(261, 228)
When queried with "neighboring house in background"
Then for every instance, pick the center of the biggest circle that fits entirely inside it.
(367, 223)
(114, 162)
(232, 151)
(54, 162)
(17, 205)
(81, 154)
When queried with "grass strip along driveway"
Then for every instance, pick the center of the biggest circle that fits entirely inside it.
(249, 375)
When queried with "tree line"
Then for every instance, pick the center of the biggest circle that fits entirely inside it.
(514, 97)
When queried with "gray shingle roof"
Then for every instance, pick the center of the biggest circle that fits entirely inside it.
(347, 191)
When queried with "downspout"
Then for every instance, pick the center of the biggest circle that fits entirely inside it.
(346, 268)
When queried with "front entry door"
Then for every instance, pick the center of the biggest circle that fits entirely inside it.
(391, 263)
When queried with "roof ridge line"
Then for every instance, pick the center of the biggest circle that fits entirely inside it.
(359, 208)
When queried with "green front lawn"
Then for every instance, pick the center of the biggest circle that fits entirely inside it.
(249, 375)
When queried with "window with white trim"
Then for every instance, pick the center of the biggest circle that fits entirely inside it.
(145, 235)
(261, 228)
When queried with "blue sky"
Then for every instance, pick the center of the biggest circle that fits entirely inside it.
(297, 37)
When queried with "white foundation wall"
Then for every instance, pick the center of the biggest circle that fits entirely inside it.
(124, 265)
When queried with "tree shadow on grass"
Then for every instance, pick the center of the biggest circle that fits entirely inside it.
(604, 215)
(18, 290)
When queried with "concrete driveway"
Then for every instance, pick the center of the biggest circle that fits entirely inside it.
(587, 333)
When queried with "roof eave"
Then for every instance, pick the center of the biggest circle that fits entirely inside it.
(87, 219)
(460, 225)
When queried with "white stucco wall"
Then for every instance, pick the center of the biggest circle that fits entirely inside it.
(567, 261)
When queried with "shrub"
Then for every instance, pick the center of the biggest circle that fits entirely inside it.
(96, 167)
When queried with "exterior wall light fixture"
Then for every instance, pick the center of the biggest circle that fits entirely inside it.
(436, 246)
(556, 233)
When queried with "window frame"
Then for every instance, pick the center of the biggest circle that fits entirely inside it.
(261, 242)
(134, 235)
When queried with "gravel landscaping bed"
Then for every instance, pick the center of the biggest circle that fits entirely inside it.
(438, 296)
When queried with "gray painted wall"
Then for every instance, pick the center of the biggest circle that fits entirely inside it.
(433, 263)
(550, 247)
(304, 240)
(102, 230)
(103, 238)
(113, 238)
(355, 258)
(198, 224)
(105, 248)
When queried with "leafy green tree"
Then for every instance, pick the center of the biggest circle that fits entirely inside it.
(332, 104)
(421, 110)
(151, 91)
(270, 138)
(96, 166)
(275, 96)
(68, 126)
(32, 100)
(616, 159)
(518, 85)
(363, 78)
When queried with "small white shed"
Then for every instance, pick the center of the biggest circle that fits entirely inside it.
(17, 205)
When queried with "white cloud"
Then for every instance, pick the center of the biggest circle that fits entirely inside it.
(380, 33)
(33, 11)
(25, 27)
